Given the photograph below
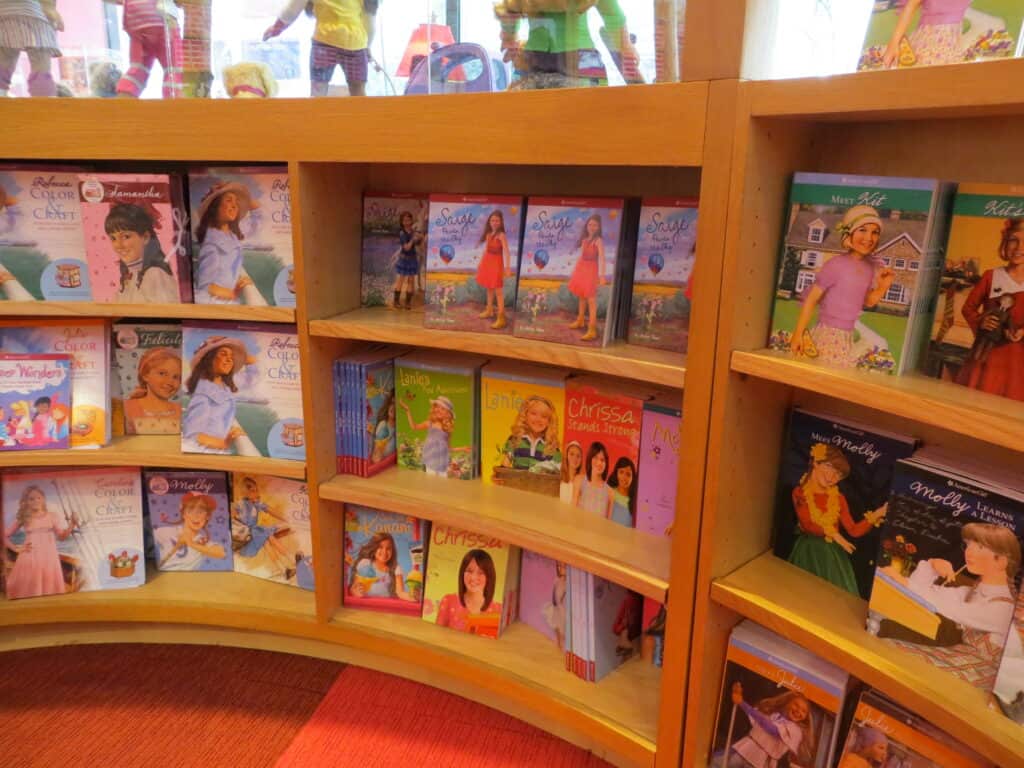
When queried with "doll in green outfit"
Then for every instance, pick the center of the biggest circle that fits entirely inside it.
(534, 437)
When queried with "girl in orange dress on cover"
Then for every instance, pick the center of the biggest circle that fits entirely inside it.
(37, 570)
(494, 266)
(477, 577)
(588, 275)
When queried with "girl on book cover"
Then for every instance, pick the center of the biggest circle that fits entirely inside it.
(590, 491)
(937, 37)
(44, 426)
(209, 424)
(384, 432)
(407, 263)
(150, 405)
(847, 284)
(1000, 370)
(495, 265)
(554, 612)
(183, 547)
(533, 439)
(249, 514)
(821, 509)
(870, 749)
(572, 463)
(146, 275)
(623, 484)
(220, 276)
(780, 728)
(587, 275)
(377, 572)
(477, 582)
(437, 450)
(37, 570)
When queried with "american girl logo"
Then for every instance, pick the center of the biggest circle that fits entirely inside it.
(197, 484)
(554, 226)
(674, 229)
(1009, 209)
(468, 539)
(866, 449)
(951, 499)
(454, 226)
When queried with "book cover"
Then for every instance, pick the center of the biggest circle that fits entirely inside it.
(72, 530)
(392, 220)
(270, 529)
(542, 596)
(522, 413)
(830, 501)
(902, 34)
(858, 270)
(385, 554)
(242, 390)
(659, 313)
(190, 519)
(652, 642)
(658, 466)
(136, 238)
(42, 251)
(567, 285)
(242, 230)
(1009, 686)
(35, 397)
(472, 582)
(87, 342)
(473, 262)
(614, 625)
(948, 570)
(147, 369)
(777, 699)
(977, 337)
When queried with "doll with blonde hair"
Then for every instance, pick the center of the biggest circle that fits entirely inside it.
(439, 424)
(37, 571)
(533, 439)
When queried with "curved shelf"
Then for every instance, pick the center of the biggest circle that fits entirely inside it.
(162, 311)
(543, 524)
(996, 420)
(830, 622)
(625, 360)
(152, 451)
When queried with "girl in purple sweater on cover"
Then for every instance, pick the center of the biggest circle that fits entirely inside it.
(847, 284)
(937, 37)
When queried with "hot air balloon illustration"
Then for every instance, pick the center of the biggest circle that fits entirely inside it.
(656, 263)
(447, 253)
(540, 258)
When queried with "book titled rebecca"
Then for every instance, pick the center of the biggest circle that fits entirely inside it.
(391, 219)
(190, 519)
(384, 561)
(270, 529)
(73, 530)
(147, 366)
(35, 392)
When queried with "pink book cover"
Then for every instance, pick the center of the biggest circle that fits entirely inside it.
(134, 224)
(659, 465)
(542, 596)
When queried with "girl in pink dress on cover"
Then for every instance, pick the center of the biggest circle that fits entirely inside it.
(477, 577)
(37, 570)
(937, 37)
(495, 265)
(588, 275)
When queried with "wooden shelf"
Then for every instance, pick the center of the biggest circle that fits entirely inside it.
(152, 451)
(160, 311)
(830, 622)
(995, 420)
(637, 560)
(625, 360)
(522, 662)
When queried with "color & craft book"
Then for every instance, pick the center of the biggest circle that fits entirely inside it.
(147, 369)
(658, 466)
(385, 555)
(393, 222)
(35, 397)
(270, 529)
(242, 230)
(190, 519)
(542, 596)
(72, 530)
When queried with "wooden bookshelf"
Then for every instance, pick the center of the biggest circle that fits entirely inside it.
(73, 309)
(637, 560)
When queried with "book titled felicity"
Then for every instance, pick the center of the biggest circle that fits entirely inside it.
(147, 368)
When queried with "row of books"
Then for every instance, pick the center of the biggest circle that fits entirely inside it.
(571, 270)
(478, 584)
(782, 705)
(896, 274)
(602, 444)
(80, 530)
(216, 235)
(932, 540)
(227, 388)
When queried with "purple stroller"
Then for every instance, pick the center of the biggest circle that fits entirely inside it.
(457, 68)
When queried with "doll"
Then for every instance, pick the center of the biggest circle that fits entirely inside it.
(440, 423)
(533, 439)
(183, 547)
(37, 571)
(220, 275)
(407, 263)
(937, 37)
(209, 424)
(994, 325)
(152, 27)
(587, 275)
(103, 79)
(250, 80)
(494, 267)
(29, 26)
(145, 274)
(150, 407)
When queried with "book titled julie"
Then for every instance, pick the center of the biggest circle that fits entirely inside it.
(74, 530)
(384, 561)
(190, 519)
(35, 397)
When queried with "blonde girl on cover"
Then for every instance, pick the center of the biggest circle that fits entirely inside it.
(572, 463)
(937, 39)
(534, 436)
(37, 571)
(440, 423)
(495, 266)
(780, 727)
(150, 407)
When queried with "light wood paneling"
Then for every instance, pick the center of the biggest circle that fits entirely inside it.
(171, 311)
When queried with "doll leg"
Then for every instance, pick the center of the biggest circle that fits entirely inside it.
(489, 308)
(168, 51)
(578, 322)
(592, 325)
(499, 300)
(40, 81)
(355, 65)
(134, 80)
(8, 61)
(322, 60)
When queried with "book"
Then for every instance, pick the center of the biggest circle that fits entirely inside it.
(951, 33)
(385, 216)
(366, 416)
(472, 582)
(384, 561)
(659, 312)
(87, 341)
(439, 429)
(473, 262)
(769, 678)
(658, 466)
(981, 297)
(190, 519)
(834, 481)
(568, 286)
(82, 529)
(35, 398)
(948, 567)
(242, 392)
(543, 586)
(859, 269)
(270, 529)
(242, 228)
(1009, 685)
(522, 414)
(136, 237)
(42, 251)
(652, 642)
(147, 359)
